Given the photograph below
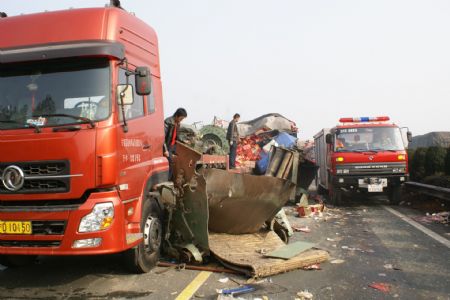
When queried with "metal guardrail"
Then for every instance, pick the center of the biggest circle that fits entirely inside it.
(430, 190)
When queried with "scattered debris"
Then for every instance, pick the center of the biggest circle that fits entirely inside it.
(384, 287)
(442, 218)
(312, 267)
(304, 295)
(305, 229)
(183, 266)
(310, 210)
(224, 280)
(382, 274)
(237, 291)
(330, 240)
(391, 267)
(337, 261)
(262, 251)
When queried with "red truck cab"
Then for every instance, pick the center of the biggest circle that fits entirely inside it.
(362, 154)
(81, 136)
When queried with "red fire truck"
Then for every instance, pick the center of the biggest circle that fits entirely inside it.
(362, 154)
(81, 136)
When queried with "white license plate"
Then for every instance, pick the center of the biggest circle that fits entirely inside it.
(373, 188)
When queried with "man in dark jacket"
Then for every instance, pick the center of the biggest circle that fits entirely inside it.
(233, 139)
(171, 130)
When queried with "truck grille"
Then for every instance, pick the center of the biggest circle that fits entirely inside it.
(50, 168)
(40, 177)
(371, 169)
(48, 227)
(33, 244)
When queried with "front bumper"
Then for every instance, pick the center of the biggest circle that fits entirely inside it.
(361, 182)
(46, 242)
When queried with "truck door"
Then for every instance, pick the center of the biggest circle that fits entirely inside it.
(134, 145)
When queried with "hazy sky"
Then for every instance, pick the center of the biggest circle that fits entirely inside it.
(312, 61)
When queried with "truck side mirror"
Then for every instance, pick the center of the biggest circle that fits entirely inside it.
(143, 81)
(125, 94)
(409, 136)
(329, 138)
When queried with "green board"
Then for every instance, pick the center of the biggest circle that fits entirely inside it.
(290, 250)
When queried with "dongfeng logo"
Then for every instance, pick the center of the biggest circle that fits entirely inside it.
(13, 178)
(371, 157)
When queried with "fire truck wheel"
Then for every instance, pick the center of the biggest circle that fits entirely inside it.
(14, 261)
(145, 256)
(395, 195)
(336, 197)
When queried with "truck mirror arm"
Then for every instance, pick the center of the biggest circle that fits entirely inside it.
(122, 94)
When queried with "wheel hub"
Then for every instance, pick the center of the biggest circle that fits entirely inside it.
(152, 234)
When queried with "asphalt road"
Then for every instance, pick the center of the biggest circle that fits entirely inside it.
(371, 243)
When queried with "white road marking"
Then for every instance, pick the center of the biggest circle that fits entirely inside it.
(422, 228)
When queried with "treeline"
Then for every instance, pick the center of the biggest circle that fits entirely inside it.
(429, 164)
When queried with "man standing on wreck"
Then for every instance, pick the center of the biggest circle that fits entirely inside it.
(233, 139)
(171, 130)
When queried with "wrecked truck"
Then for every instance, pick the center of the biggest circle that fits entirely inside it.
(81, 134)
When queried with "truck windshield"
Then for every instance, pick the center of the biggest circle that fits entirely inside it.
(53, 93)
(368, 139)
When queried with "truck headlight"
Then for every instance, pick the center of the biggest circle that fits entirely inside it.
(99, 218)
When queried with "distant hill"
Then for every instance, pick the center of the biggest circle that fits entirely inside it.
(430, 139)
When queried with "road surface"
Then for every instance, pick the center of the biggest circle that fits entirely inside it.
(371, 241)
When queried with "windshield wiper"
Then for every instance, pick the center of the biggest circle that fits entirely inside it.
(83, 119)
(363, 150)
(380, 149)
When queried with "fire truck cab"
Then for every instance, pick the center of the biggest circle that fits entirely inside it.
(81, 136)
(362, 154)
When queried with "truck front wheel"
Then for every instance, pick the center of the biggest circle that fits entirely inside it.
(145, 256)
(395, 194)
(335, 196)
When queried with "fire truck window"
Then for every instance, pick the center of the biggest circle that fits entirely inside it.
(136, 109)
(373, 139)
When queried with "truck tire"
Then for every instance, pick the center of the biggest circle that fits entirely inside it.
(395, 194)
(321, 190)
(145, 256)
(15, 261)
(335, 196)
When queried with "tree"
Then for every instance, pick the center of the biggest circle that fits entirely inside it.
(418, 164)
(410, 158)
(447, 162)
(435, 160)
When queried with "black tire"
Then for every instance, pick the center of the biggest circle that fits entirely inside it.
(321, 190)
(281, 232)
(335, 196)
(395, 194)
(16, 261)
(145, 256)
